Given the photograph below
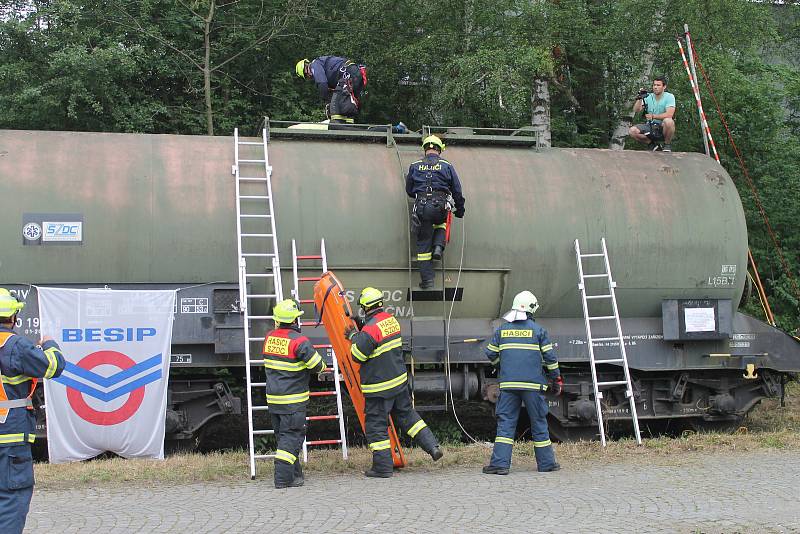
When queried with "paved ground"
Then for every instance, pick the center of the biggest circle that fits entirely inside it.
(748, 492)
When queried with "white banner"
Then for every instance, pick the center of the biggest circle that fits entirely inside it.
(112, 395)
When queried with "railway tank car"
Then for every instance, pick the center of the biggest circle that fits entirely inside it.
(159, 211)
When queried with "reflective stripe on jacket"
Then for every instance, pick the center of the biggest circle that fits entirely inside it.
(439, 173)
(378, 348)
(289, 359)
(21, 364)
(525, 355)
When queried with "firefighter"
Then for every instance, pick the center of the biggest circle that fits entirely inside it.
(384, 382)
(525, 355)
(289, 358)
(22, 364)
(434, 185)
(340, 82)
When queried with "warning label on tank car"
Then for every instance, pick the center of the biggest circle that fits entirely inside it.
(194, 305)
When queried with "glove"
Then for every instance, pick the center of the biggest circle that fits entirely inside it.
(350, 333)
(557, 385)
(459, 213)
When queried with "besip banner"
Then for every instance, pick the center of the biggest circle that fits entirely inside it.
(112, 395)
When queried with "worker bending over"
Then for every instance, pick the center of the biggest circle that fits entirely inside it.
(289, 358)
(340, 82)
(525, 355)
(384, 382)
(21, 365)
(434, 185)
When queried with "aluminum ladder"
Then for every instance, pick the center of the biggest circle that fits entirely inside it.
(591, 339)
(259, 265)
(337, 391)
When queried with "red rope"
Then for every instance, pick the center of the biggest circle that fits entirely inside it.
(753, 189)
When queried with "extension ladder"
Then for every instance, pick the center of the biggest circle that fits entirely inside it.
(259, 264)
(591, 340)
(336, 391)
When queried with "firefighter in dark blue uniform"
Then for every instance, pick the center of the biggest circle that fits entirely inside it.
(525, 355)
(384, 382)
(340, 82)
(434, 185)
(289, 358)
(21, 365)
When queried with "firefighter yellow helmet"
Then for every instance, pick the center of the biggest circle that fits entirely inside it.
(432, 142)
(286, 311)
(370, 297)
(9, 305)
(525, 302)
(300, 67)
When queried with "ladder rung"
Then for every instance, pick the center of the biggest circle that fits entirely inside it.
(615, 338)
(255, 339)
(254, 216)
(257, 362)
(323, 442)
(264, 296)
(323, 393)
(323, 346)
(613, 383)
(252, 161)
(263, 456)
(257, 255)
(309, 278)
(256, 235)
(321, 417)
(260, 408)
(252, 179)
(260, 317)
(306, 301)
(254, 197)
(602, 318)
(258, 384)
(588, 297)
(260, 275)
(309, 257)
(259, 143)
(595, 275)
(311, 323)
(595, 255)
(615, 360)
(263, 432)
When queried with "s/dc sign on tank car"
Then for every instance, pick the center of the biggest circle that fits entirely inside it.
(159, 211)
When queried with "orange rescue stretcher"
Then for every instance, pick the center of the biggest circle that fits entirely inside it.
(337, 317)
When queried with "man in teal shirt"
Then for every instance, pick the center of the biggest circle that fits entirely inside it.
(659, 107)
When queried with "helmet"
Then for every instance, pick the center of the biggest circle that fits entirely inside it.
(525, 302)
(300, 67)
(9, 305)
(370, 297)
(432, 142)
(286, 311)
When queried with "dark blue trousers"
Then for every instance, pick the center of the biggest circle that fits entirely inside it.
(16, 487)
(508, 406)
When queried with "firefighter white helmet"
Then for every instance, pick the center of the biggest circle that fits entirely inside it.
(524, 303)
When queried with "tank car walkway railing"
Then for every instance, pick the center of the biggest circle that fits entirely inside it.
(334, 369)
(259, 266)
(590, 320)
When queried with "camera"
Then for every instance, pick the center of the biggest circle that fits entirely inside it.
(642, 94)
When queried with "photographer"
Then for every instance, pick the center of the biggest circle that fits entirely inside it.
(658, 108)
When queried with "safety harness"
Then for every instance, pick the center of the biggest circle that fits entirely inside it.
(5, 404)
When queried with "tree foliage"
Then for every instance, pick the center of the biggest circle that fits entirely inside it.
(197, 66)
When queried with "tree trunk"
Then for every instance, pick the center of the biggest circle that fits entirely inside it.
(207, 67)
(620, 134)
(540, 111)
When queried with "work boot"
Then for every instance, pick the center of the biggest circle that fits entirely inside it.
(426, 284)
(437, 454)
(653, 147)
(371, 473)
(555, 467)
(299, 479)
(437, 252)
(494, 470)
(667, 147)
(296, 483)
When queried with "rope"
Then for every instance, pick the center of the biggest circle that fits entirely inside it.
(752, 186)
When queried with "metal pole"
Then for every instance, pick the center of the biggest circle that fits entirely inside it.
(694, 76)
(696, 91)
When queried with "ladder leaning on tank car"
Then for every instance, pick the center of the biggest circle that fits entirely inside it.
(591, 340)
(337, 389)
(258, 262)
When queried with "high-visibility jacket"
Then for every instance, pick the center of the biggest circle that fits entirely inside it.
(21, 364)
(433, 173)
(289, 358)
(525, 355)
(378, 348)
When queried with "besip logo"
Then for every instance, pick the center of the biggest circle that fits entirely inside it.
(115, 384)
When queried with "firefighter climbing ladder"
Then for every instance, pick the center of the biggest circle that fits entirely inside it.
(591, 340)
(259, 264)
(336, 391)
